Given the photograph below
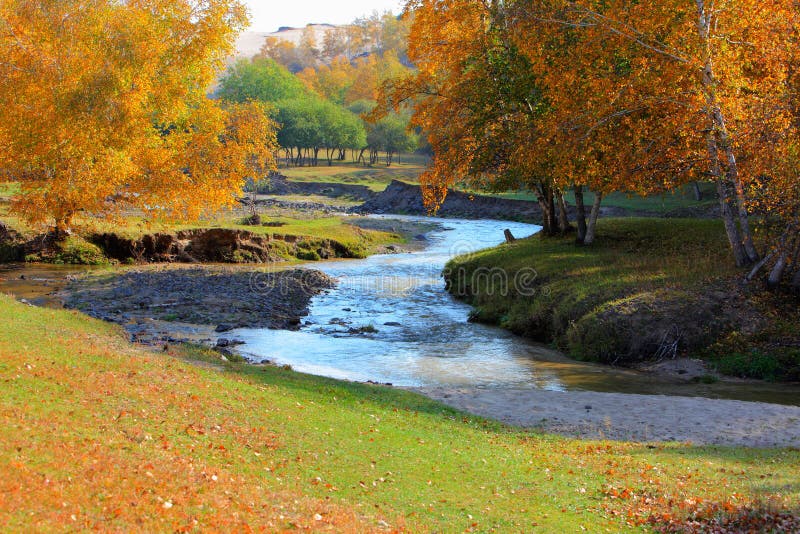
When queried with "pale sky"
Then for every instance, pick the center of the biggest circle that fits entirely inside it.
(269, 15)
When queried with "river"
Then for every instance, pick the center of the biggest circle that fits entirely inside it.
(429, 342)
(389, 320)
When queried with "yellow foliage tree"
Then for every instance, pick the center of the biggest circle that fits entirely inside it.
(104, 107)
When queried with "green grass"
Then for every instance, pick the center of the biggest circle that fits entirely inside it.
(338, 202)
(101, 434)
(376, 177)
(634, 262)
(8, 189)
(679, 199)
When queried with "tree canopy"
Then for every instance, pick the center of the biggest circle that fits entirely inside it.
(259, 79)
(615, 96)
(104, 107)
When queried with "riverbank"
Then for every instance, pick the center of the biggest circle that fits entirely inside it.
(648, 290)
(628, 417)
(281, 233)
(108, 434)
(158, 305)
(229, 240)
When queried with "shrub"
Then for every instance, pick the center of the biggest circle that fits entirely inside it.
(77, 251)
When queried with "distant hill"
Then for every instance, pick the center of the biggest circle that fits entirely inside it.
(249, 43)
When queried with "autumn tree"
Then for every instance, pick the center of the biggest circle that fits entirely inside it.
(705, 98)
(285, 53)
(335, 44)
(252, 133)
(475, 97)
(333, 81)
(634, 97)
(104, 107)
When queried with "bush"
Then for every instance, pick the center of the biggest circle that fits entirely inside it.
(77, 251)
(308, 255)
(749, 365)
(244, 256)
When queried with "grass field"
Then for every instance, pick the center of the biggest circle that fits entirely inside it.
(587, 297)
(376, 177)
(411, 166)
(679, 199)
(102, 434)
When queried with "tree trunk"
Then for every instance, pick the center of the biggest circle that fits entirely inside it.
(732, 174)
(63, 225)
(758, 266)
(698, 195)
(551, 210)
(775, 275)
(741, 240)
(580, 215)
(545, 199)
(591, 228)
(731, 229)
(563, 218)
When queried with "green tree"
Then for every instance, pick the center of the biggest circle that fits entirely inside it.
(259, 79)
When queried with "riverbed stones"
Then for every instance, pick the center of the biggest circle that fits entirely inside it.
(212, 296)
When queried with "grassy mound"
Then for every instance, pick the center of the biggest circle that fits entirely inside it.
(102, 434)
(648, 288)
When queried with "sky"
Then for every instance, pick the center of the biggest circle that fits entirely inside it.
(269, 15)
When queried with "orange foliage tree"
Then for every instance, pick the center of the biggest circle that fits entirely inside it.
(632, 96)
(105, 108)
(705, 93)
(476, 98)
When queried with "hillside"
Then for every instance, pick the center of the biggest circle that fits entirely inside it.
(250, 42)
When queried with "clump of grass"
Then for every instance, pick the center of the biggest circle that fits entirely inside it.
(79, 251)
(754, 364)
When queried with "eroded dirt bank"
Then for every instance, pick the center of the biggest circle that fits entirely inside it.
(225, 245)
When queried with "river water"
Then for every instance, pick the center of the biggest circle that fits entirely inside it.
(428, 340)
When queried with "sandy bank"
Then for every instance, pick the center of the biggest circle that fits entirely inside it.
(643, 418)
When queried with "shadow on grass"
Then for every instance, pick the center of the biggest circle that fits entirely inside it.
(351, 395)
